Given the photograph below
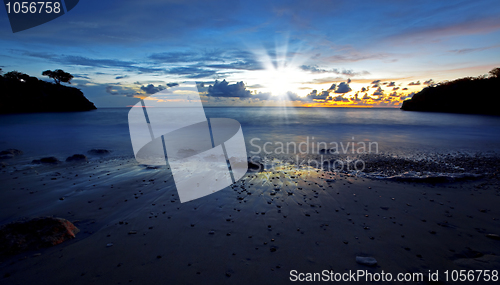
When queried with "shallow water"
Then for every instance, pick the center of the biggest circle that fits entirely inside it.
(394, 131)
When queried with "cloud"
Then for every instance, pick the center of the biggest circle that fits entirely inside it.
(191, 72)
(121, 77)
(332, 88)
(340, 98)
(239, 65)
(464, 26)
(355, 98)
(291, 96)
(77, 60)
(366, 97)
(405, 88)
(378, 92)
(151, 89)
(468, 50)
(391, 84)
(121, 90)
(313, 95)
(429, 82)
(375, 82)
(325, 80)
(216, 59)
(315, 69)
(414, 83)
(395, 88)
(343, 88)
(409, 96)
(224, 89)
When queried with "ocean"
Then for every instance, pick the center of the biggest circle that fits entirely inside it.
(392, 131)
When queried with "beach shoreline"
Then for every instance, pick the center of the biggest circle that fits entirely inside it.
(134, 229)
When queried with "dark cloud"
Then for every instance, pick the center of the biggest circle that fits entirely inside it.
(356, 98)
(414, 83)
(375, 81)
(366, 97)
(314, 95)
(122, 77)
(343, 88)
(405, 88)
(340, 98)
(395, 88)
(378, 92)
(151, 89)
(429, 82)
(332, 88)
(391, 84)
(224, 89)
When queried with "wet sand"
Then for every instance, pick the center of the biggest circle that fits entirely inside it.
(134, 230)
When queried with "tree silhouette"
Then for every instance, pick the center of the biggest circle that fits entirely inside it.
(58, 75)
(495, 72)
(16, 75)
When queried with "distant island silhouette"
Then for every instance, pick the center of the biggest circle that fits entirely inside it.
(21, 93)
(469, 95)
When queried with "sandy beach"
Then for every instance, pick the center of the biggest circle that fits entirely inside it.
(134, 230)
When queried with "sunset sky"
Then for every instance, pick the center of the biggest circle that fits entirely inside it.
(353, 53)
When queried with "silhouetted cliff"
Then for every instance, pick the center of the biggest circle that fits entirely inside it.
(26, 94)
(470, 95)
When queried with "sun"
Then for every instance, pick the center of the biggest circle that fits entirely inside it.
(279, 81)
(281, 73)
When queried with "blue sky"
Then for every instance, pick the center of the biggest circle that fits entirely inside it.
(353, 53)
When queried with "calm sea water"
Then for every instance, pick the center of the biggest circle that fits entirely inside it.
(395, 131)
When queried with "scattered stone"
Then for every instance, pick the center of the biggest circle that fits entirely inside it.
(132, 232)
(46, 160)
(368, 261)
(34, 234)
(493, 236)
(10, 153)
(99, 151)
(76, 158)
(109, 245)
